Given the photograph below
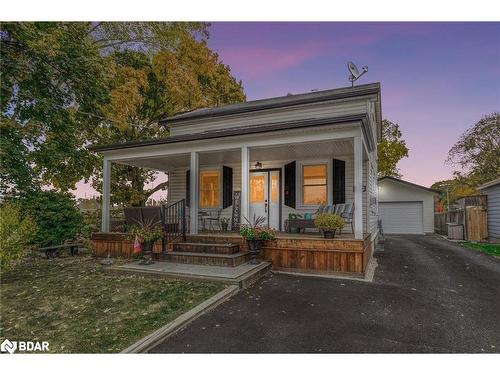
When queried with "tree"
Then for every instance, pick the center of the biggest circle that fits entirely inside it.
(55, 214)
(54, 81)
(147, 88)
(452, 190)
(391, 149)
(16, 234)
(477, 151)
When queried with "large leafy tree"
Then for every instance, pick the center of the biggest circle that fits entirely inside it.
(477, 151)
(391, 149)
(452, 190)
(55, 79)
(147, 88)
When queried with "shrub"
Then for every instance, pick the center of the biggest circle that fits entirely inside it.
(16, 233)
(328, 222)
(56, 215)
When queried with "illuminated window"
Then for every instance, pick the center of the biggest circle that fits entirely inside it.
(209, 189)
(314, 184)
(257, 189)
(274, 188)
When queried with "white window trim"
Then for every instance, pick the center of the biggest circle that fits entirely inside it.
(300, 186)
(217, 168)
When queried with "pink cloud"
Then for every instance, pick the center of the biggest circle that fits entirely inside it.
(258, 61)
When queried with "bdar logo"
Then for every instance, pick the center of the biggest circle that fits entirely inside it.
(8, 346)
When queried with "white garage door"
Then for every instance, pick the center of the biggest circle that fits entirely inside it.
(402, 217)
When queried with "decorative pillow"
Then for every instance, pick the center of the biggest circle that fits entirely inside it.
(308, 216)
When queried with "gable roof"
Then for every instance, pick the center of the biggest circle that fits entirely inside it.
(489, 184)
(279, 102)
(411, 184)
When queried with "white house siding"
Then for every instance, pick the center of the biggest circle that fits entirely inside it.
(493, 194)
(177, 186)
(336, 108)
(393, 191)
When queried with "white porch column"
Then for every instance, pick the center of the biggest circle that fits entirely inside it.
(358, 187)
(106, 192)
(245, 178)
(193, 191)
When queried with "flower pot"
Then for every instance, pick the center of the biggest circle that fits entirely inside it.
(147, 252)
(329, 234)
(254, 247)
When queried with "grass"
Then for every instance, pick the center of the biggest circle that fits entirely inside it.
(488, 248)
(75, 305)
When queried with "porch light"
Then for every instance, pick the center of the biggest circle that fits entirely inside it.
(258, 165)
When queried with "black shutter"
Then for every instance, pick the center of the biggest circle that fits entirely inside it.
(188, 187)
(338, 181)
(227, 186)
(290, 184)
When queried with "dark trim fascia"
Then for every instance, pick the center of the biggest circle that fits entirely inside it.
(409, 184)
(245, 130)
(371, 89)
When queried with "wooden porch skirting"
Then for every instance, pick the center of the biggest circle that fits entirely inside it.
(306, 255)
(117, 245)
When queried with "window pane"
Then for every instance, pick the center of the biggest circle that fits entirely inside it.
(314, 184)
(209, 199)
(209, 189)
(314, 174)
(257, 189)
(314, 195)
(274, 188)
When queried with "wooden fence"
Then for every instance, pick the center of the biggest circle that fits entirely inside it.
(473, 219)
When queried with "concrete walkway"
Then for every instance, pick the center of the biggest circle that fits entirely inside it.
(428, 295)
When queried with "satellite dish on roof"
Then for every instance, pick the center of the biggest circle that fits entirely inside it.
(355, 74)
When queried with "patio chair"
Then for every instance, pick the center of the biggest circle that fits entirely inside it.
(214, 219)
(347, 215)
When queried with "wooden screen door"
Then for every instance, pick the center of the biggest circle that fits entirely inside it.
(264, 196)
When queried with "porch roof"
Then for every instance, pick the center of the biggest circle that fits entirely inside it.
(243, 130)
(277, 102)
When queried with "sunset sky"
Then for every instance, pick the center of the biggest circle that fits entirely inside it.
(437, 79)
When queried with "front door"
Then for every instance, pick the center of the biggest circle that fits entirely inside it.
(265, 197)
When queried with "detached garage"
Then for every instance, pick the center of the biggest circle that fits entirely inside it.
(404, 207)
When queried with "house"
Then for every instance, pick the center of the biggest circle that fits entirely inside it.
(492, 191)
(276, 156)
(405, 207)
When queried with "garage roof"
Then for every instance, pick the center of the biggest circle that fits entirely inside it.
(409, 184)
(489, 184)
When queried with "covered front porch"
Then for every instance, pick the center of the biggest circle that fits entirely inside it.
(224, 188)
(285, 176)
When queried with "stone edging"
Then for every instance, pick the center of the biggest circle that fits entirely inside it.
(151, 340)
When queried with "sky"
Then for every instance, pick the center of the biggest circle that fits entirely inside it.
(437, 79)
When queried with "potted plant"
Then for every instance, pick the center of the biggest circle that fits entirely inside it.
(224, 223)
(148, 233)
(255, 233)
(328, 224)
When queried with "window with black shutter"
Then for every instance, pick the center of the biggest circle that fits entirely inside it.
(338, 184)
(289, 184)
(227, 186)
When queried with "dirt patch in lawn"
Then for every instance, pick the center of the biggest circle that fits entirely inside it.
(78, 307)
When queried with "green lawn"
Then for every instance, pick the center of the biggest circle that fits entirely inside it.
(488, 248)
(75, 305)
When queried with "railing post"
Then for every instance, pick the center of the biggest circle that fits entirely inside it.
(184, 220)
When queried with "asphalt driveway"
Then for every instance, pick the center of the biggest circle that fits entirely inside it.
(428, 295)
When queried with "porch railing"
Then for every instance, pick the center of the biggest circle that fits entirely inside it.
(174, 221)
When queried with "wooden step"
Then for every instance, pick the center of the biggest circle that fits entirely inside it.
(226, 260)
(211, 248)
